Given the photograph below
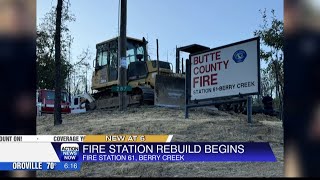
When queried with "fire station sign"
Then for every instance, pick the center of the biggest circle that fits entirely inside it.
(226, 71)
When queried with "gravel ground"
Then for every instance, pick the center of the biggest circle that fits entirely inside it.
(203, 125)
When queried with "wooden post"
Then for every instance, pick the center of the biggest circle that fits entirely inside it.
(182, 65)
(157, 57)
(123, 54)
(249, 109)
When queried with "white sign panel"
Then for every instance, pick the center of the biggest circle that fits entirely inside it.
(123, 62)
(226, 71)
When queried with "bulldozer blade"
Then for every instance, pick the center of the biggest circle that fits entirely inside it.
(169, 91)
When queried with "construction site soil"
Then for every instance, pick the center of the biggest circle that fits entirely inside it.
(204, 125)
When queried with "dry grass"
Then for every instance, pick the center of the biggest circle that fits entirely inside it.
(209, 126)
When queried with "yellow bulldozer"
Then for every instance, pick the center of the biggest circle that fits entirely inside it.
(147, 84)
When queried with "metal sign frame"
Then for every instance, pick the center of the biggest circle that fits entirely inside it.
(212, 101)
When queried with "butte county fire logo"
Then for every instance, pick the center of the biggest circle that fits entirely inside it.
(239, 56)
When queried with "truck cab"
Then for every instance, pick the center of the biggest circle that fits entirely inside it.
(45, 101)
(106, 63)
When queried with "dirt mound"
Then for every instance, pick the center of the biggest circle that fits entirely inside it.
(203, 125)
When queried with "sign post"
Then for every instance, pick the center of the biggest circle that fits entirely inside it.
(229, 71)
(249, 109)
(187, 88)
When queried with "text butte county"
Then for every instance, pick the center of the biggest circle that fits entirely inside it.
(205, 64)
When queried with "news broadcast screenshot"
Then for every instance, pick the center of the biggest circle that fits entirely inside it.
(170, 88)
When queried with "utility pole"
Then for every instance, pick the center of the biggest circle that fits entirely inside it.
(123, 54)
(157, 57)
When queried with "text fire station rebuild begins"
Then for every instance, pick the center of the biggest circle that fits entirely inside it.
(226, 71)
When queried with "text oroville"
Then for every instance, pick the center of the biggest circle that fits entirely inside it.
(161, 148)
(205, 68)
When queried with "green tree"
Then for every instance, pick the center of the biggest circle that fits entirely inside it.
(46, 53)
(272, 38)
(46, 47)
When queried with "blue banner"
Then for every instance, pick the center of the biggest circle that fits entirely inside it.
(165, 152)
(41, 166)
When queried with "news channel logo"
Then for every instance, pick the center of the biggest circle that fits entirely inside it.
(239, 56)
(69, 152)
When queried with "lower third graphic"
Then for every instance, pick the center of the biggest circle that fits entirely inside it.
(69, 152)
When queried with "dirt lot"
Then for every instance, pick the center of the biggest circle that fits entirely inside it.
(203, 125)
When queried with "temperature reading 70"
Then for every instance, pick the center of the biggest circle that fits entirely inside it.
(51, 165)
